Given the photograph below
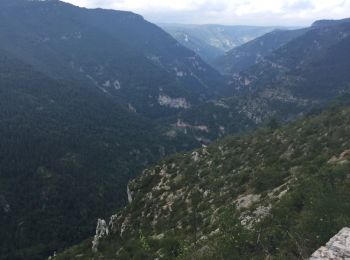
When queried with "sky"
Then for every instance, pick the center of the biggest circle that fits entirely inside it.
(233, 12)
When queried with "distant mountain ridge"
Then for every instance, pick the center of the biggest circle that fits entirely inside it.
(211, 41)
(304, 73)
(245, 56)
(323, 23)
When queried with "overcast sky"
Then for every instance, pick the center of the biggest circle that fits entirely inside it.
(250, 12)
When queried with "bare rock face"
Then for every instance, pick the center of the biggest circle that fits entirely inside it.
(336, 249)
(4, 205)
(129, 194)
(101, 231)
(173, 102)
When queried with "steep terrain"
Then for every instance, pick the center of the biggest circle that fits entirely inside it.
(79, 91)
(212, 41)
(276, 194)
(66, 155)
(305, 73)
(89, 98)
(254, 52)
(118, 52)
(297, 61)
(245, 56)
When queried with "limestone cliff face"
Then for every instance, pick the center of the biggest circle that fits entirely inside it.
(337, 248)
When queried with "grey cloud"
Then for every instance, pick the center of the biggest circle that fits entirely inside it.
(221, 11)
(300, 5)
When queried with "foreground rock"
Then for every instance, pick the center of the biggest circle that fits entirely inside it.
(337, 248)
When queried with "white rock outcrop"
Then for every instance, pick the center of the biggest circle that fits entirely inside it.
(167, 101)
(245, 201)
(101, 232)
(129, 194)
(336, 249)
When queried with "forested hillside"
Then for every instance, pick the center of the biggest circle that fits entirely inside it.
(67, 152)
(305, 73)
(90, 98)
(247, 55)
(79, 91)
(278, 193)
(118, 52)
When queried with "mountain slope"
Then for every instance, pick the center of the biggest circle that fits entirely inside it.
(66, 149)
(78, 90)
(254, 52)
(299, 55)
(323, 23)
(303, 74)
(212, 41)
(276, 194)
(118, 52)
(247, 55)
